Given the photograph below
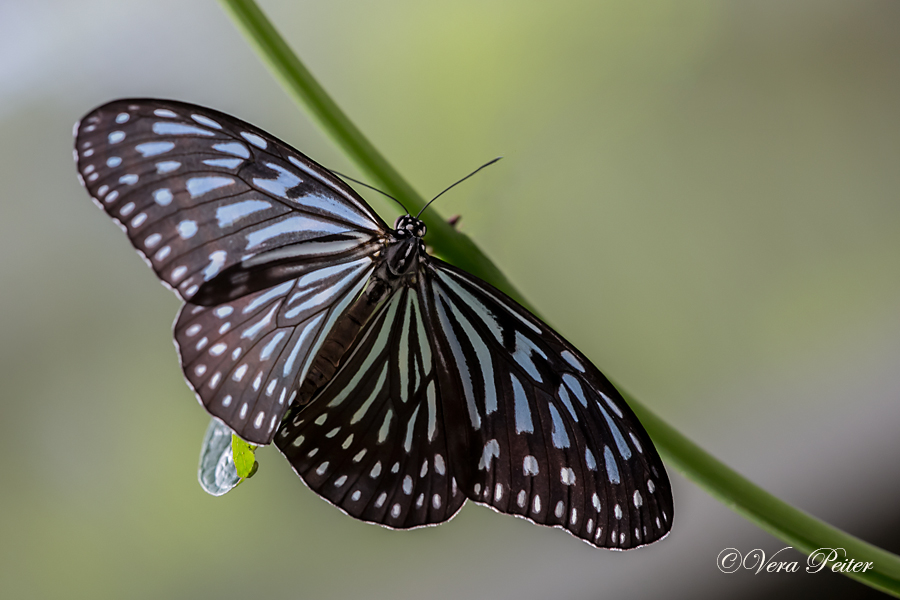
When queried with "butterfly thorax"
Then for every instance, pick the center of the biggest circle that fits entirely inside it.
(404, 251)
(406, 248)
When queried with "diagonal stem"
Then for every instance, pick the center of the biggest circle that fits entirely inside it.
(799, 529)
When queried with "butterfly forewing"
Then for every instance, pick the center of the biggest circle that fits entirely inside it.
(199, 192)
(547, 437)
(373, 441)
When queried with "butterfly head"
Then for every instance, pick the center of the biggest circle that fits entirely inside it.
(407, 247)
(408, 225)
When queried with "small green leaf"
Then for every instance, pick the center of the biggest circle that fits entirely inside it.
(244, 459)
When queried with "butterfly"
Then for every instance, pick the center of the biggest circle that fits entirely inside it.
(397, 385)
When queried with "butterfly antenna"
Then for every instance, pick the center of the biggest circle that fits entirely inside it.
(487, 164)
(347, 177)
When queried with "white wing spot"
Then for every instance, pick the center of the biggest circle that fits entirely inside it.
(162, 253)
(522, 498)
(359, 455)
(234, 148)
(355, 496)
(559, 510)
(162, 196)
(439, 465)
(164, 112)
(618, 511)
(116, 136)
(139, 220)
(491, 450)
(154, 148)
(380, 501)
(536, 505)
(611, 405)
(567, 476)
(376, 470)
(254, 139)
(636, 443)
(113, 162)
(167, 166)
(203, 120)
(530, 465)
(436, 501)
(650, 487)
(225, 163)
(152, 240)
(200, 370)
(122, 118)
(178, 273)
(218, 349)
(163, 128)
(187, 229)
(420, 500)
(129, 179)
(589, 459)
(240, 372)
(595, 500)
(638, 500)
(198, 186)
(570, 358)
(424, 470)
(395, 511)
(216, 262)
(322, 468)
(340, 481)
(193, 330)
(226, 401)
(257, 423)
(498, 492)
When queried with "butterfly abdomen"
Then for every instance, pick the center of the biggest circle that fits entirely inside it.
(340, 339)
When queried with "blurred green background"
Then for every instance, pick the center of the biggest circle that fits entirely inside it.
(703, 196)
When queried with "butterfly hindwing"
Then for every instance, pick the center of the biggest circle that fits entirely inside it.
(246, 358)
(548, 438)
(373, 441)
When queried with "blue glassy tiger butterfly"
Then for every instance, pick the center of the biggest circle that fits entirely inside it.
(395, 384)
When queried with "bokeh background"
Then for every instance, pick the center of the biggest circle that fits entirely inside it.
(703, 196)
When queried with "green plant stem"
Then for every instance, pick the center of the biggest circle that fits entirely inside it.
(456, 247)
(797, 528)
